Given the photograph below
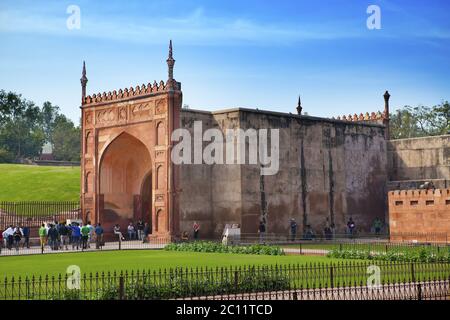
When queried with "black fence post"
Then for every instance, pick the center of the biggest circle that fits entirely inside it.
(236, 280)
(413, 276)
(121, 288)
(419, 291)
(331, 277)
(301, 251)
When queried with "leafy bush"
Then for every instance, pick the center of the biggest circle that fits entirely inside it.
(419, 255)
(6, 156)
(208, 246)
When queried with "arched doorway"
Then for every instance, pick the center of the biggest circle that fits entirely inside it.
(124, 168)
(146, 200)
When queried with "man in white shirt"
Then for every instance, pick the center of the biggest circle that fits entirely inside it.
(8, 236)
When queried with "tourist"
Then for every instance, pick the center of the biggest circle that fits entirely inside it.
(91, 234)
(131, 231)
(351, 227)
(377, 225)
(196, 228)
(146, 232)
(76, 235)
(98, 236)
(140, 230)
(53, 237)
(184, 237)
(17, 237)
(8, 235)
(328, 229)
(309, 233)
(64, 236)
(85, 230)
(262, 231)
(26, 236)
(328, 233)
(293, 227)
(117, 232)
(42, 236)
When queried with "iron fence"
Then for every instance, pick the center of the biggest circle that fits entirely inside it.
(71, 244)
(372, 247)
(34, 213)
(347, 280)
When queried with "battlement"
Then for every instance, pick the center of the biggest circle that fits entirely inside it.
(372, 117)
(419, 193)
(128, 93)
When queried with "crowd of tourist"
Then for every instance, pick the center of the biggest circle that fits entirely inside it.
(64, 236)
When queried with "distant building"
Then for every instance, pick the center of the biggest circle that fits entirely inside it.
(47, 152)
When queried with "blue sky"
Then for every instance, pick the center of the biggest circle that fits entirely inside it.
(255, 54)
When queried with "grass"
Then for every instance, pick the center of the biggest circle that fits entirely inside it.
(317, 274)
(39, 183)
(54, 264)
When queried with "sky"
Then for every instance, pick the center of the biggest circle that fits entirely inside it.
(252, 54)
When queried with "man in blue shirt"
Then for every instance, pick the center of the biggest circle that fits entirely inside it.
(76, 236)
(26, 235)
(98, 236)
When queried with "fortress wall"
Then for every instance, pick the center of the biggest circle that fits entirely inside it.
(420, 159)
(328, 168)
(416, 212)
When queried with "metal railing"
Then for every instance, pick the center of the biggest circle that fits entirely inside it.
(9, 247)
(346, 280)
(34, 213)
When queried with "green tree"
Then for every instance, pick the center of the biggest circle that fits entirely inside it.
(66, 139)
(49, 113)
(21, 133)
(420, 121)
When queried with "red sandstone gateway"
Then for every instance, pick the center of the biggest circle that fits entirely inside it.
(126, 169)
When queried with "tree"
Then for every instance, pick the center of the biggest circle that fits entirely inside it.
(66, 139)
(49, 113)
(20, 126)
(411, 122)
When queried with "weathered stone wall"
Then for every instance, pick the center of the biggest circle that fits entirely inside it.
(419, 159)
(422, 215)
(328, 169)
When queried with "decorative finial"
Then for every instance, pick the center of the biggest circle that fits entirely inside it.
(170, 63)
(386, 114)
(299, 106)
(83, 81)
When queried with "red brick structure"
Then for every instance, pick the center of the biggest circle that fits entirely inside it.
(126, 169)
(422, 215)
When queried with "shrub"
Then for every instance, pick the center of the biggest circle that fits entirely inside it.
(209, 246)
(418, 255)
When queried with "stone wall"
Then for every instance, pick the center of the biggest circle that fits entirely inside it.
(413, 161)
(328, 169)
(422, 215)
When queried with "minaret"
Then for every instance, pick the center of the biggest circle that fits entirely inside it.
(170, 63)
(299, 106)
(83, 81)
(386, 113)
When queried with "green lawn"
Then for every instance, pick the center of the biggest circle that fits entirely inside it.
(317, 274)
(39, 183)
(53, 264)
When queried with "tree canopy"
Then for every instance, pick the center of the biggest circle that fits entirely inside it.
(420, 121)
(26, 127)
